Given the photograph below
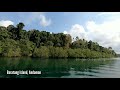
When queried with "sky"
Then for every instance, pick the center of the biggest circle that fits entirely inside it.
(101, 27)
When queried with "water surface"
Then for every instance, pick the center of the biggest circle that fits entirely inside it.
(61, 68)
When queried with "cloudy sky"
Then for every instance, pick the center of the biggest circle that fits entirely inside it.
(101, 27)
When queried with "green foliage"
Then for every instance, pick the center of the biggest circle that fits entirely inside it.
(42, 52)
(3, 33)
(58, 52)
(10, 48)
(11, 52)
(14, 41)
(26, 46)
(49, 43)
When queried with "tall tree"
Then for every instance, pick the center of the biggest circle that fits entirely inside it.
(19, 29)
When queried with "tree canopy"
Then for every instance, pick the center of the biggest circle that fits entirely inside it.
(15, 41)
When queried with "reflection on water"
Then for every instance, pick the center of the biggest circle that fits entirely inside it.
(61, 68)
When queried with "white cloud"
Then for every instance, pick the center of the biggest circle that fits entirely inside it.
(65, 32)
(33, 17)
(76, 30)
(6, 23)
(44, 22)
(106, 33)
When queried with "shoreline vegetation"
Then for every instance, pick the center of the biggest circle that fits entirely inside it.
(17, 42)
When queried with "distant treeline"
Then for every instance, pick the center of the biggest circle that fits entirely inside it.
(15, 41)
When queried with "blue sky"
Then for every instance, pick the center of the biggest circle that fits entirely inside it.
(101, 27)
(60, 21)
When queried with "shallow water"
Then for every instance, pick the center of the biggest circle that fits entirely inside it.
(61, 68)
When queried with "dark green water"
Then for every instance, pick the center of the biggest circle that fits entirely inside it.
(61, 68)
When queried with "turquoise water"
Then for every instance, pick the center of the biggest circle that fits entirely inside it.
(61, 68)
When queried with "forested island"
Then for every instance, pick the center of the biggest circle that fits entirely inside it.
(16, 42)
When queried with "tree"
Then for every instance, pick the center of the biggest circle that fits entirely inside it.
(67, 40)
(11, 48)
(14, 41)
(19, 28)
(34, 36)
(27, 47)
(90, 45)
(10, 28)
(49, 43)
(42, 52)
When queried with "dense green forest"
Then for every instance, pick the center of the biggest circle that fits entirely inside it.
(15, 41)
